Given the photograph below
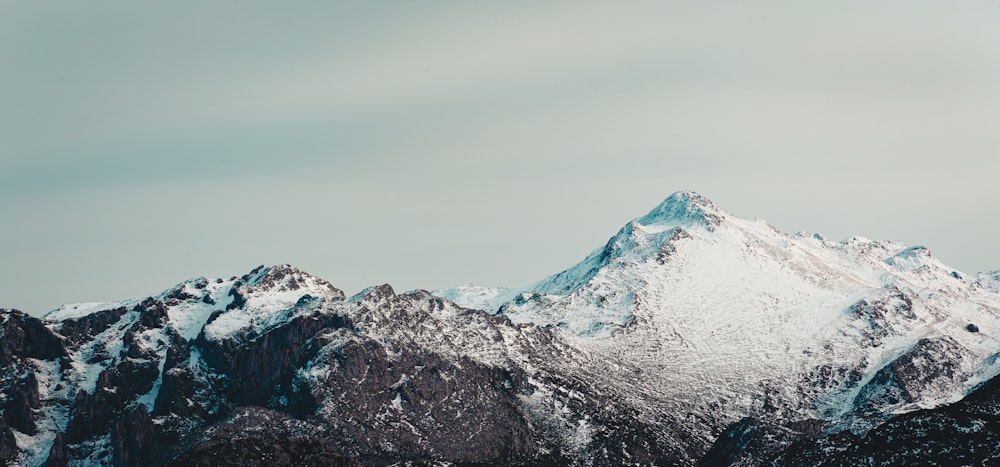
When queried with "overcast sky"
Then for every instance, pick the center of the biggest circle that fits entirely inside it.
(428, 144)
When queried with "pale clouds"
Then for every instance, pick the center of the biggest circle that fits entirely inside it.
(427, 145)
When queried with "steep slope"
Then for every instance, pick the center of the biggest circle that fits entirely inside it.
(964, 433)
(281, 359)
(726, 318)
(691, 334)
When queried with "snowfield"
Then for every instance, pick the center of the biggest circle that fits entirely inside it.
(686, 322)
(717, 310)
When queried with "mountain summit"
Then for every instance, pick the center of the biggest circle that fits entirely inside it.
(684, 207)
(691, 335)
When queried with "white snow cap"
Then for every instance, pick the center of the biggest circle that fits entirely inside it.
(684, 207)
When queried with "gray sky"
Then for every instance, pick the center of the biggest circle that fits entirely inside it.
(428, 145)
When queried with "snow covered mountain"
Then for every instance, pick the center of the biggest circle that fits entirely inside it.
(721, 312)
(690, 335)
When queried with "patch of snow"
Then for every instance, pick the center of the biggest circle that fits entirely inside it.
(475, 297)
(79, 310)
(53, 416)
(189, 317)
(100, 352)
(270, 298)
(989, 280)
(159, 341)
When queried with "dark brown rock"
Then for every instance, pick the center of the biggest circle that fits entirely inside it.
(265, 452)
(23, 336)
(92, 414)
(57, 453)
(20, 405)
(8, 444)
(134, 439)
(260, 368)
(79, 330)
(963, 433)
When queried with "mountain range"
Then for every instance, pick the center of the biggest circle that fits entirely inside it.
(691, 337)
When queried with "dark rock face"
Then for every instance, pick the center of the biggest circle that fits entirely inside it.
(134, 439)
(925, 363)
(878, 313)
(58, 457)
(179, 384)
(328, 383)
(23, 339)
(411, 389)
(751, 440)
(76, 331)
(263, 368)
(93, 414)
(331, 383)
(263, 452)
(22, 401)
(964, 433)
(22, 336)
(295, 374)
(742, 441)
(261, 437)
(8, 445)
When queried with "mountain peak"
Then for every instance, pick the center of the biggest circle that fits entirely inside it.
(684, 207)
(288, 278)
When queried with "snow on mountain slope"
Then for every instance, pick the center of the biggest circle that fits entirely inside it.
(79, 310)
(687, 321)
(989, 280)
(476, 297)
(139, 334)
(721, 311)
(263, 292)
(167, 364)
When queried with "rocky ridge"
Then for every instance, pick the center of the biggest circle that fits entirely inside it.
(690, 335)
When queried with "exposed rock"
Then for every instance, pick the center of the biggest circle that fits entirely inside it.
(8, 444)
(153, 313)
(255, 436)
(23, 336)
(964, 433)
(79, 330)
(263, 367)
(133, 439)
(750, 441)
(441, 406)
(58, 457)
(928, 363)
(276, 451)
(690, 335)
(22, 399)
(92, 414)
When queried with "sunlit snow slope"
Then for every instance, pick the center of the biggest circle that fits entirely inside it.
(691, 335)
(716, 309)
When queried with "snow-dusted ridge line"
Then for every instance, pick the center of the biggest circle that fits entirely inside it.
(79, 310)
(732, 302)
(684, 214)
(687, 309)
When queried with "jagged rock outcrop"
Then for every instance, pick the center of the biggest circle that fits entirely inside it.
(963, 433)
(8, 444)
(27, 337)
(690, 336)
